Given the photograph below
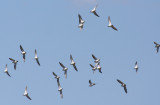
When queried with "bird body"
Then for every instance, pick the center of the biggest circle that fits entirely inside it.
(91, 84)
(14, 62)
(26, 94)
(64, 69)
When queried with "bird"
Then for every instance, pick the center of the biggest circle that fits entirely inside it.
(110, 24)
(157, 46)
(94, 11)
(6, 71)
(96, 59)
(136, 66)
(36, 57)
(93, 67)
(81, 22)
(64, 69)
(15, 62)
(91, 84)
(99, 67)
(56, 76)
(123, 85)
(73, 63)
(60, 88)
(23, 52)
(26, 94)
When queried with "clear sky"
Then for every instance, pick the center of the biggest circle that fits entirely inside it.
(51, 27)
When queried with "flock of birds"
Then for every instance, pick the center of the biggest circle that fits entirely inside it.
(94, 67)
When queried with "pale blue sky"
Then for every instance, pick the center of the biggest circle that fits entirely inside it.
(51, 27)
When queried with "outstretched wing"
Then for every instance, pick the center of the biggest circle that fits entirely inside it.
(28, 97)
(38, 62)
(80, 18)
(71, 58)
(94, 57)
(35, 53)
(109, 20)
(136, 63)
(61, 65)
(157, 49)
(114, 28)
(95, 13)
(125, 89)
(61, 94)
(8, 74)
(91, 65)
(155, 43)
(90, 82)
(24, 58)
(75, 67)
(15, 66)
(21, 48)
(120, 81)
(65, 73)
(12, 59)
(54, 74)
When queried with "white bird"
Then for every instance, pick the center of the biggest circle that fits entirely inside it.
(14, 61)
(110, 24)
(36, 57)
(99, 67)
(23, 53)
(81, 22)
(157, 46)
(60, 89)
(26, 94)
(73, 63)
(136, 66)
(96, 59)
(6, 71)
(64, 69)
(94, 11)
(91, 84)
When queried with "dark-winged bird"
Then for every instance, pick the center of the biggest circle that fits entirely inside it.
(64, 69)
(36, 57)
(110, 24)
(94, 11)
(14, 61)
(26, 94)
(81, 22)
(6, 71)
(23, 53)
(60, 88)
(93, 68)
(99, 67)
(73, 63)
(136, 66)
(123, 85)
(56, 76)
(96, 59)
(157, 46)
(91, 84)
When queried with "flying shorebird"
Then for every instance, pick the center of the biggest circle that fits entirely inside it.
(23, 52)
(73, 63)
(91, 84)
(81, 22)
(94, 11)
(96, 59)
(99, 67)
(26, 94)
(36, 57)
(60, 88)
(157, 46)
(93, 67)
(110, 24)
(56, 76)
(64, 69)
(14, 61)
(123, 85)
(136, 66)
(6, 71)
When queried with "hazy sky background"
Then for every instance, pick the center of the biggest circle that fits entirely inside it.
(51, 27)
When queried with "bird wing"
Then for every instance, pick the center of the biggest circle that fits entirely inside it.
(100, 70)
(136, 63)
(8, 74)
(28, 97)
(61, 65)
(6, 66)
(21, 48)
(125, 89)
(157, 49)
(61, 94)
(24, 57)
(120, 81)
(95, 13)
(38, 62)
(94, 57)
(75, 67)
(15, 66)
(155, 43)
(35, 53)
(114, 28)
(65, 73)
(80, 18)
(71, 58)
(90, 82)
(54, 74)
(59, 86)
(109, 20)
(91, 65)
(12, 59)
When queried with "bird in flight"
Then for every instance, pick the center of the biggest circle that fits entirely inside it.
(26, 94)
(96, 59)
(56, 76)
(123, 85)
(81, 22)
(60, 88)
(23, 52)
(15, 62)
(64, 69)
(91, 84)
(110, 24)
(99, 67)
(36, 57)
(6, 71)
(136, 66)
(73, 63)
(157, 46)
(94, 11)
(93, 68)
